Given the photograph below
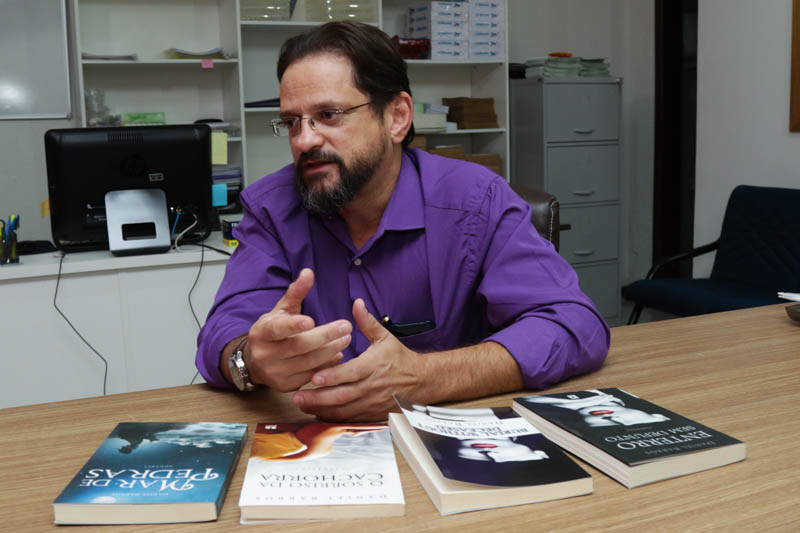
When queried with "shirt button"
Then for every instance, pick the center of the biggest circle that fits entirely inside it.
(357, 261)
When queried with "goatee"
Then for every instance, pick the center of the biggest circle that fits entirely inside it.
(324, 200)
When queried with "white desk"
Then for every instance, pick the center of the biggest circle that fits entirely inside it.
(134, 310)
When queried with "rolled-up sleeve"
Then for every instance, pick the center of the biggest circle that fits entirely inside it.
(534, 303)
(256, 276)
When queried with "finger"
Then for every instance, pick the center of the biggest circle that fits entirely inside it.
(315, 338)
(369, 326)
(323, 357)
(358, 409)
(292, 299)
(269, 327)
(326, 398)
(349, 372)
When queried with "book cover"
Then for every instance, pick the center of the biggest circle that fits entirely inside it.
(318, 470)
(618, 432)
(469, 459)
(154, 472)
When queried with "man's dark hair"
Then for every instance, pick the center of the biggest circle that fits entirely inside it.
(378, 69)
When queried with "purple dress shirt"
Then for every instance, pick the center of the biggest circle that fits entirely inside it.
(455, 246)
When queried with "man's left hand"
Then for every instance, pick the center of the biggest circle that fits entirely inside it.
(362, 388)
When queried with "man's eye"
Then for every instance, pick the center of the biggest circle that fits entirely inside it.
(289, 122)
(328, 115)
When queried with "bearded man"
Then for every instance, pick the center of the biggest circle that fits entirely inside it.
(471, 300)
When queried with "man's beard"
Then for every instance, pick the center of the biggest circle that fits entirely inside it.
(352, 178)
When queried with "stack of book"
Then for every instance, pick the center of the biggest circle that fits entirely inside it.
(430, 118)
(471, 113)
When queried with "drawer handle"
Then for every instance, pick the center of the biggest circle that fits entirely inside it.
(564, 227)
(583, 131)
(583, 192)
(583, 253)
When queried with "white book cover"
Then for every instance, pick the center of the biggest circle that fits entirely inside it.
(317, 470)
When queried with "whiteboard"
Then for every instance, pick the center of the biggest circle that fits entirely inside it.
(34, 63)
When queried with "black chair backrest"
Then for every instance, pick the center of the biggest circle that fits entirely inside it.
(759, 244)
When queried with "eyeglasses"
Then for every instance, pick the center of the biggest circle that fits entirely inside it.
(325, 118)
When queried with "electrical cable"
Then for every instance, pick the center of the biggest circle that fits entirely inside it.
(194, 314)
(55, 297)
(184, 232)
(220, 250)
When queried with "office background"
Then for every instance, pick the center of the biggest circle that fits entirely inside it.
(742, 108)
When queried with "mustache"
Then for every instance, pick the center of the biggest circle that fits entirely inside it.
(318, 155)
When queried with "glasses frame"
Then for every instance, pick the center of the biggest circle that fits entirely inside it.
(277, 123)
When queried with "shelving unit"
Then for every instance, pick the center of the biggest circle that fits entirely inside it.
(187, 92)
(184, 89)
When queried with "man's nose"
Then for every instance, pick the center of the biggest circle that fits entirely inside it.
(308, 138)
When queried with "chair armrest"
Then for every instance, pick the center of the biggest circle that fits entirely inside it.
(544, 212)
(694, 252)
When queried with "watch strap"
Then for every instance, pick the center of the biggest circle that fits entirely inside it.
(237, 365)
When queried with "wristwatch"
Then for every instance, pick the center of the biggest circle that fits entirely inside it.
(239, 374)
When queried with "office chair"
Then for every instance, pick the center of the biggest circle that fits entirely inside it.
(758, 254)
(544, 212)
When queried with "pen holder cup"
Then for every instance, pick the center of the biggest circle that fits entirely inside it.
(9, 251)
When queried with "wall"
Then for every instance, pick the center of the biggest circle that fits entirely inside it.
(23, 172)
(621, 30)
(743, 84)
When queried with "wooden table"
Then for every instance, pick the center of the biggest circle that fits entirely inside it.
(738, 372)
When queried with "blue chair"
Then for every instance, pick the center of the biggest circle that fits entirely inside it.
(758, 254)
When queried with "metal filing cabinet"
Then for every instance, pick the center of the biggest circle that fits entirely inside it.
(565, 140)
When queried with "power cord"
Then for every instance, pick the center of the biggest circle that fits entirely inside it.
(202, 257)
(55, 297)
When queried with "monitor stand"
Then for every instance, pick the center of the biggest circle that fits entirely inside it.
(137, 221)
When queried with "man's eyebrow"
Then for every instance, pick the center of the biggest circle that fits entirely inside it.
(321, 106)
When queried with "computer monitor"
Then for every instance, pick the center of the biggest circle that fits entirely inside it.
(83, 164)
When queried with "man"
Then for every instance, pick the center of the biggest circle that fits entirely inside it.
(472, 301)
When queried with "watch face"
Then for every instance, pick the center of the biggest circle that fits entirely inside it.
(236, 366)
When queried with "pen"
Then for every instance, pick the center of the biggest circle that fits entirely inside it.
(407, 328)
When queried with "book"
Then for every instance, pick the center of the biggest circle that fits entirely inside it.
(471, 459)
(632, 440)
(320, 471)
(154, 472)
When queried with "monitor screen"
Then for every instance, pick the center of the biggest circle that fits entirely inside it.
(83, 164)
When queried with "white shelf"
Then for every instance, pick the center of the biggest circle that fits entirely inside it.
(442, 62)
(151, 62)
(463, 132)
(262, 109)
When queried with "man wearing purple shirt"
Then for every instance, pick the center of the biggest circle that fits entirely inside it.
(471, 300)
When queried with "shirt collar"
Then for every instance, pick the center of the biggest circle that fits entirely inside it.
(405, 209)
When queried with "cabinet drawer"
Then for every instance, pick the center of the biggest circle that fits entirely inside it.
(579, 174)
(581, 112)
(593, 233)
(601, 284)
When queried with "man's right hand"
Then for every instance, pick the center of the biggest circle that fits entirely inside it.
(284, 347)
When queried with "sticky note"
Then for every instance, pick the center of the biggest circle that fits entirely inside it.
(207, 63)
(219, 148)
(219, 195)
(45, 207)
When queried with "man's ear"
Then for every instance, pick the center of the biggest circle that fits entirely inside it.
(400, 114)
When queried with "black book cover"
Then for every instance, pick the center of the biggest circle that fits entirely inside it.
(625, 426)
(489, 446)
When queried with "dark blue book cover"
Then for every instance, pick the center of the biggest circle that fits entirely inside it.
(158, 463)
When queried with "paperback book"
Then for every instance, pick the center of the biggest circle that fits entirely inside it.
(632, 440)
(321, 471)
(154, 472)
(470, 459)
